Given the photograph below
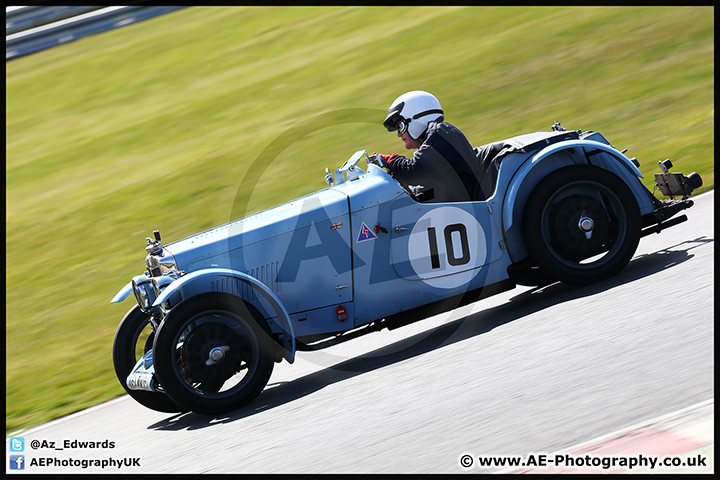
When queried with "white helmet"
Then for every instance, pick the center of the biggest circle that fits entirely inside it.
(413, 111)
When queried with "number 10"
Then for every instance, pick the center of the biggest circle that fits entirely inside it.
(449, 247)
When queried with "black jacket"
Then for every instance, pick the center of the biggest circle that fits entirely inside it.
(445, 165)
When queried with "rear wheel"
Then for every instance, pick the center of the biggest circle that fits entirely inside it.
(213, 354)
(582, 224)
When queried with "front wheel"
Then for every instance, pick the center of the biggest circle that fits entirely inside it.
(213, 354)
(582, 223)
(134, 338)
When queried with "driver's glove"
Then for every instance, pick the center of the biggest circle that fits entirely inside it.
(385, 158)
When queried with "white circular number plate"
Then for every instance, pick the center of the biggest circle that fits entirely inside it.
(446, 246)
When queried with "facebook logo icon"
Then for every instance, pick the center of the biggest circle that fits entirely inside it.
(17, 462)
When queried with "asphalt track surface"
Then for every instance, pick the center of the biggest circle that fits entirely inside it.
(524, 372)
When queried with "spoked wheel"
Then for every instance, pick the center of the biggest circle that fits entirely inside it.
(133, 339)
(582, 223)
(213, 354)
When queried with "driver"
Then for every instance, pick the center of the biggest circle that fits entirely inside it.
(444, 164)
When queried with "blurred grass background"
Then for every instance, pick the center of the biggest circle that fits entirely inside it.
(154, 126)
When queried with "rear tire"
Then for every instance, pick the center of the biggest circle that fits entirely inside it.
(582, 224)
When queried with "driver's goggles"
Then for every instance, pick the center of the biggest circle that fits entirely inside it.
(402, 126)
(396, 122)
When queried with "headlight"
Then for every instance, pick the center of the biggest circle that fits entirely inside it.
(144, 292)
(159, 283)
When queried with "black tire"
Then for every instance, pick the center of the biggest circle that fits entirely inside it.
(552, 218)
(133, 338)
(213, 353)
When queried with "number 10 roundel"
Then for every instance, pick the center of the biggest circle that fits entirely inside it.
(446, 246)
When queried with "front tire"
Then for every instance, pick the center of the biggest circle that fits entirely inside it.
(582, 223)
(133, 338)
(213, 354)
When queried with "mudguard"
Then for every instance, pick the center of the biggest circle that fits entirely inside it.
(544, 162)
(233, 282)
(123, 293)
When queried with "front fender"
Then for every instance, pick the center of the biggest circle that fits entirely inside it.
(226, 280)
(122, 294)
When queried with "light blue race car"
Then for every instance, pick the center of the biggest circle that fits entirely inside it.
(215, 311)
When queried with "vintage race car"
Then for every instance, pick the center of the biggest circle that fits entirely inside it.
(216, 310)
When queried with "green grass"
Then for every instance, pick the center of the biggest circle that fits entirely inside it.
(155, 125)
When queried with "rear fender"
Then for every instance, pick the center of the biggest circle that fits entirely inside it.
(236, 283)
(551, 158)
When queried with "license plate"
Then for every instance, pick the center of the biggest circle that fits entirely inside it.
(141, 381)
(141, 378)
